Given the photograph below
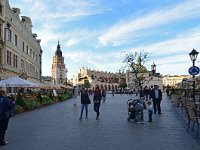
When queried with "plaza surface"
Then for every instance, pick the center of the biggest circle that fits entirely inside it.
(57, 127)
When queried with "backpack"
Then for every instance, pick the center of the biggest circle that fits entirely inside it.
(4, 114)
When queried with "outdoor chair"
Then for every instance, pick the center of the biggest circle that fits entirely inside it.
(175, 100)
(182, 103)
(192, 117)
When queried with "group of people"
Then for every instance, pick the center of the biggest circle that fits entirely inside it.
(147, 97)
(6, 111)
(98, 95)
(150, 99)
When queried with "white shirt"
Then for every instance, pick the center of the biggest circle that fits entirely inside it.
(156, 93)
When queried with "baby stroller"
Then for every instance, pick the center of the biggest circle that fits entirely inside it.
(131, 109)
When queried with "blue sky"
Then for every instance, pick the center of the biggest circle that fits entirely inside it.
(98, 33)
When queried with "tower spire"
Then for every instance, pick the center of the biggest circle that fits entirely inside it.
(58, 50)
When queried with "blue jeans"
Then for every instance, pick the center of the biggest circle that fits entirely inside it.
(96, 108)
(86, 109)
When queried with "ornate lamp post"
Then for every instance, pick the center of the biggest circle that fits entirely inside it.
(193, 70)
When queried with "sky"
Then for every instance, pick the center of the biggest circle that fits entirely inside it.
(98, 34)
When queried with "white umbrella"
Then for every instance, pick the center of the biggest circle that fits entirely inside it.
(17, 82)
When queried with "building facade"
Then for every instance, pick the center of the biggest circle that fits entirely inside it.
(59, 72)
(175, 81)
(105, 80)
(20, 51)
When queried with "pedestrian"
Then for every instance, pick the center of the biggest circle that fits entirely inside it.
(75, 95)
(167, 90)
(104, 95)
(139, 108)
(97, 101)
(113, 92)
(6, 107)
(85, 101)
(150, 91)
(146, 93)
(141, 93)
(157, 97)
(150, 110)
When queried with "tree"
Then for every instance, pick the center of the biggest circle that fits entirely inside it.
(135, 62)
(122, 85)
(87, 84)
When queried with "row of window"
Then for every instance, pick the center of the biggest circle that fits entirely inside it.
(29, 68)
(28, 51)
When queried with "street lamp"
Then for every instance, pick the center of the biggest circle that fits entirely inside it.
(193, 56)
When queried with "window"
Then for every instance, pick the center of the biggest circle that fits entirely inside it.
(9, 35)
(1, 10)
(27, 50)
(9, 58)
(15, 61)
(22, 64)
(23, 46)
(15, 40)
(33, 55)
(0, 31)
(30, 52)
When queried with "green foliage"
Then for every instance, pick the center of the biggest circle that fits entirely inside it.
(87, 84)
(50, 96)
(39, 97)
(27, 104)
(123, 85)
(23, 103)
(135, 62)
(47, 101)
(18, 109)
(61, 97)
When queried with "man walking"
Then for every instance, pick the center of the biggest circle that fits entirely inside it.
(157, 97)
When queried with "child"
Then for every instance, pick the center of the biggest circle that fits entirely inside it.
(150, 110)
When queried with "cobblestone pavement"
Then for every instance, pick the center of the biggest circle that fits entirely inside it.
(57, 127)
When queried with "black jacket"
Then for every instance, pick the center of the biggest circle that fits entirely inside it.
(159, 94)
(85, 98)
(97, 96)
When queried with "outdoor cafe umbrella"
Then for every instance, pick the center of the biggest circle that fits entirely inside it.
(17, 82)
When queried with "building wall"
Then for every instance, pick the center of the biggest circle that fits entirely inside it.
(106, 80)
(174, 81)
(148, 81)
(22, 53)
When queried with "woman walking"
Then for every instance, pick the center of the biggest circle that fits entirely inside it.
(97, 101)
(85, 100)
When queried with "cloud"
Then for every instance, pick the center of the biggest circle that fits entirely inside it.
(71, 42)
(126, 30)
(184, 42)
